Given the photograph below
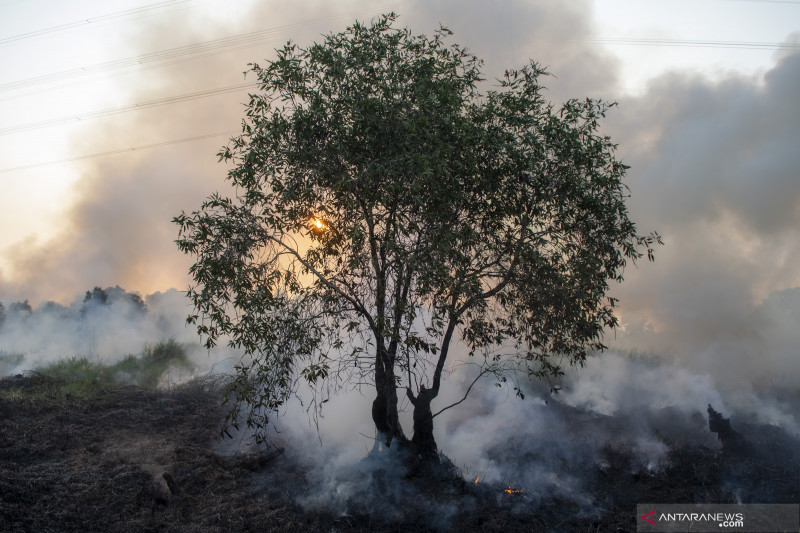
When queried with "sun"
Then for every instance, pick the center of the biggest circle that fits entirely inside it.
(318, 225)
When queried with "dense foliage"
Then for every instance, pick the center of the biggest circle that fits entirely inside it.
(386, 208)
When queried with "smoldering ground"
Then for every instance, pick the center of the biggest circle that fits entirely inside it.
(624, 428)
(136, 460)
(624, 425)
(626, 420)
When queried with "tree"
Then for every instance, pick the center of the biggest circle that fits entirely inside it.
(21, 309)
(100, 305)
(386, 209)
(98, 298)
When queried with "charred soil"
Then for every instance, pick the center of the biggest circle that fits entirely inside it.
(133, 459)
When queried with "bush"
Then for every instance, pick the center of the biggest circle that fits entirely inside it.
(149, 367)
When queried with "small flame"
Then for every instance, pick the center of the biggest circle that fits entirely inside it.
(477, 479)
(512, 490)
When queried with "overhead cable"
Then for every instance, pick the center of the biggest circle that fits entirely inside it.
(84, 22)
(120, 151)
(693, 43)
(123, 109)
(171, 55)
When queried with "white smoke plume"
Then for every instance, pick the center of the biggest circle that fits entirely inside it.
(715, 170)
(102, 331)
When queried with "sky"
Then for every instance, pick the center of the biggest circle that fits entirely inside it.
(112, 113)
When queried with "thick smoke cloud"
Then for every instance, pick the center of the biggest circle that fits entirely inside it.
(508, 35)
(715, 170)
(118, 230)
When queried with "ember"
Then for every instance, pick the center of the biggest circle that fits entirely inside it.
(512, 490)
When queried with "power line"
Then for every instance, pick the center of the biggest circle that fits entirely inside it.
(161, 57)
(175, 55)
(691, 43)
(155, 59)
(132, 107)
(236, 42)
(120, 151)
(84, 22)
(768, 1)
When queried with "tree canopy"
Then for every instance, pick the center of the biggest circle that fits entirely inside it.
(386, 208)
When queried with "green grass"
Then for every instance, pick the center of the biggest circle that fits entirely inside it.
(78, 378)
(8, 361)
(152, 364)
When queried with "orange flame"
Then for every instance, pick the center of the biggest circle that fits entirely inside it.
(477, 479)
(512, 490)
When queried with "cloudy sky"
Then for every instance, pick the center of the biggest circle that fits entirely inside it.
(111, 115)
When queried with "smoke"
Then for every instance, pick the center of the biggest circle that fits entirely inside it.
(116, 227)
(715, 170)
(104, 326)
(508, 35)
(621, 415)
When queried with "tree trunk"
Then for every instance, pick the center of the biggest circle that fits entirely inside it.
(384, 407)
(422, 443)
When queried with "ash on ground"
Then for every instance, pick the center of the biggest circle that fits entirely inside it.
(151, 460)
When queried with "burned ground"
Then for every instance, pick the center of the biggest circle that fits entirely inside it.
(134, 459)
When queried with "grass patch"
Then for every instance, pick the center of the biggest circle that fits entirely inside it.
(78, 378)
(9, 361)
(147, 369)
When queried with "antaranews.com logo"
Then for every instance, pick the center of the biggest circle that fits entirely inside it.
(751, 518)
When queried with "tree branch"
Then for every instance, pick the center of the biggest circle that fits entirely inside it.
(359, 307)
(474, 381)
